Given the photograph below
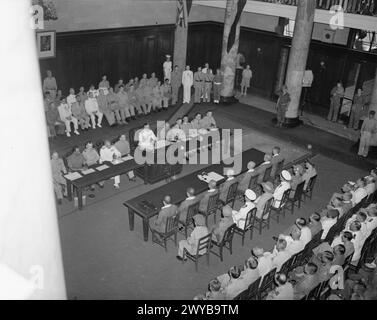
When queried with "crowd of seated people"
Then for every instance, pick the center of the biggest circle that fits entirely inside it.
(365, 7)
(118, 105)
(327, 260)
(82, 159)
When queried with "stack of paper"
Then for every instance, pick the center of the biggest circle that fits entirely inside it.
(126, 158)
(87, 171)
(73, 176)
(103, 167)
(214, 176)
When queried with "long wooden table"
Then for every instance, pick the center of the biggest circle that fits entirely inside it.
(149, 204)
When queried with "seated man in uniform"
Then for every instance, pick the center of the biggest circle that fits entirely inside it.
(285, 178)
(168, 210)
(186, 126)
(147, 138)
(185, 204)
(226, 185)
(212, 190)
(195, 123)
(80, 114)
(66, 116)
(245, 181)
(175, 134)
(280, 254)
(60, 184)
(110, 153)
(92, 109)
(113, 103)
(218, 229)
(191, 244)
(239, 217)
(76, 161)
(166, 93)
(104, 108)
(261, 201)
(208, 121)
(123, 146)
(309, 173)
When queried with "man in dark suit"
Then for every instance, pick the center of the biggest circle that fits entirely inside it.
(211, 191)
(244, 183)
(263, 167)
(276, 158)
(185, 204)
(168, 210)
(227, 184)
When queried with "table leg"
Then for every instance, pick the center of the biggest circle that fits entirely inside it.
(131, 218)
(69, 190)
(145, 173)
(79, 195)
(145, 229)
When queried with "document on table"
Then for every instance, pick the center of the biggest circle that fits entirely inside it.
(73, 176)
(103, 167)
(126, 158)
(162, 143)
(214, 176)
(88, 171)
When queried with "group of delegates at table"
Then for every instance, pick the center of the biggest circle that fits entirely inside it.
(79, 161)
(118, 105)
(327, 258)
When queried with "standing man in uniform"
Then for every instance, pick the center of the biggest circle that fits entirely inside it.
(50, 85)
(176, 80)
(337, 94)
(198, 85)
(367, 129)
(217, 81)
(105, 85)
(208, 85)
(246, 77)
(187, 82)
(166, 93)
(282, 105)
(356, 109)
(167, 66)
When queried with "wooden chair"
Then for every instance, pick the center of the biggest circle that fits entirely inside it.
(325, 290)
(287, 265)
(297, 198)
(248, 225)
(314, 293)
(251, 293)
(332, 233)
(231, 195)
(253, 184)
(267, 284)
(267, 174)
(261, 223)
(299, 259)
(226, 242)
(281, 209)
(192, 210)
(212, 207)
(171, 230)
(203, 244)
(308, 193)
(314, 242)
(346, 264)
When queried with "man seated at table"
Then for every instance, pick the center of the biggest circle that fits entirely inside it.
(191, 243)
(219, 229)
(226, 185)
(175, 134)
(212, 190)
(208, 121)
(285, 178)
(185, 204)
(76, 161)
(263, 167)
(261, 201)
(60, 184)
(147, 138)
(245, 181)
(109, 153)
(123, 146)
(168, 210)
(239, 217)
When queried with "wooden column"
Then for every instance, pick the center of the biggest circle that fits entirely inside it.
(232, 23)
(298, 57)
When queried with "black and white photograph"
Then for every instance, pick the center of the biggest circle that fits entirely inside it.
(187, 151)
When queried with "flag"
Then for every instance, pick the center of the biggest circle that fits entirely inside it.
(183, 10)
(232, 34)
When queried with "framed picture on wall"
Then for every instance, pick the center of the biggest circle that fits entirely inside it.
(46, 44)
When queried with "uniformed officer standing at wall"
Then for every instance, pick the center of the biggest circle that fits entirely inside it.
(198, 84)
(176, 81)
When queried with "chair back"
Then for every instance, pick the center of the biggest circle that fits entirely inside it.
(252, 291)
(311, 183)
(334, 230)
(192, 210)
(228, 235)
(347, 261)
(299, 191)
(284, 198)
(267, 173)
(204, 245)
(268, 280)
(279, 168)
(171, 224)
(267, 208)
(253, 182)
(249, 219)
(314, 293)
(232, 192)
(287, 265)
(299, 259)
(213, 202)
(314, 242)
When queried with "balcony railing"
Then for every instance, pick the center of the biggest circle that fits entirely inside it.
(363, 7)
